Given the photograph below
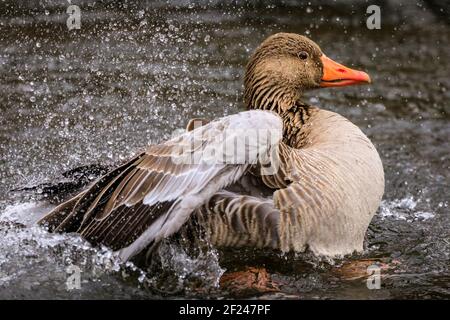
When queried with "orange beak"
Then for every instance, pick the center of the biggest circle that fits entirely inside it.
(337, 75)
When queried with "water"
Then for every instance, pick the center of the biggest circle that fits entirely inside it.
(134, 73)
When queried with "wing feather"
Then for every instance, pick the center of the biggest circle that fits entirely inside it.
(154, 194)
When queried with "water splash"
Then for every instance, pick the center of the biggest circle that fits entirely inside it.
(176, 269)
(32, 259)
(404, 209)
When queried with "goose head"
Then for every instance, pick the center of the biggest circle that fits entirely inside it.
(287, 64)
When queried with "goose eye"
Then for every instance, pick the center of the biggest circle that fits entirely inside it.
(303, 55)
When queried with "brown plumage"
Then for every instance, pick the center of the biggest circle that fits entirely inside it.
(326, 187)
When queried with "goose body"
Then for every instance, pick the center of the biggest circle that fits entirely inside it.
(288, 176)
(334, 184)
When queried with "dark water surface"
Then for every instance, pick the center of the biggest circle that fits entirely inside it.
(134, 73)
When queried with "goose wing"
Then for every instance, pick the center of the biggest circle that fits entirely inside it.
(153, 195)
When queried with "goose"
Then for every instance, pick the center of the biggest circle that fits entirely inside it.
(282, 175)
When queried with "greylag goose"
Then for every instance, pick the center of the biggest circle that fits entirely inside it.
(283, 175)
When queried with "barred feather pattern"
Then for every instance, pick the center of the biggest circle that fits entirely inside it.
(325, 194)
